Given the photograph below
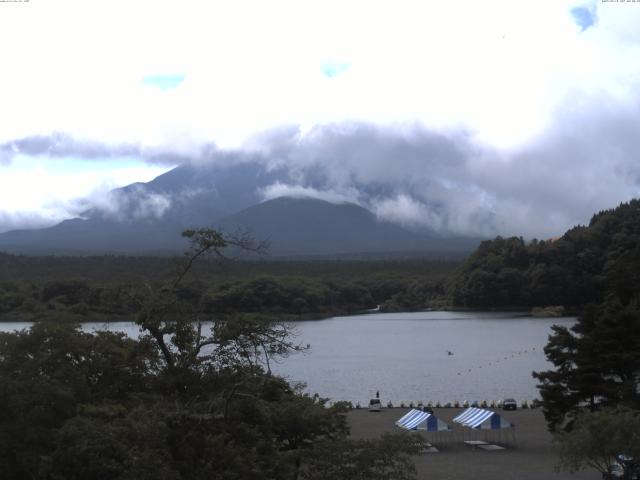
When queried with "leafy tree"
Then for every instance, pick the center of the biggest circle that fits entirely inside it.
(583, 266)
(110, 442)
(386, 459)
(46, 373)
(597, 362)
(186, 400)
(599, 438)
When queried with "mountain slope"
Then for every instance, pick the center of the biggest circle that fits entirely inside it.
(296, 226)
(147, 218)
(95, 236)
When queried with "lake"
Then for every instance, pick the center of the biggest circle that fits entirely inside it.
(405, 356)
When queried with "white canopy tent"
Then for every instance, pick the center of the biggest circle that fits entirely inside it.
(418, 420)
(479, 419)
(425, 422)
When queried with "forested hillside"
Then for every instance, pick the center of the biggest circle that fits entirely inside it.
(583, 266)
(101, 288)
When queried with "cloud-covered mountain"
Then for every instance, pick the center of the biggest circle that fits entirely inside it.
(470, 125)
(147, 218)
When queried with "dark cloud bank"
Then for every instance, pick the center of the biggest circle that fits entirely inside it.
(61, 145)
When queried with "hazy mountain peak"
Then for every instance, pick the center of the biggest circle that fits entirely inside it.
(147, 218)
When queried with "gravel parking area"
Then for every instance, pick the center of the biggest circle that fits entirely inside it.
(531, 457)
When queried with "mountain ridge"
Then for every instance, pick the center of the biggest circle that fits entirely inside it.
(148, 218)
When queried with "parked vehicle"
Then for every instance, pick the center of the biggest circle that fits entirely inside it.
(615, 471)
(509, 404)
(374, 405)
(625, 468)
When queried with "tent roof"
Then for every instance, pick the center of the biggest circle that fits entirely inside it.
(481, 419)
(418, 420)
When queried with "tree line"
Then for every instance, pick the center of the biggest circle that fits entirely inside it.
(584, 266)
(283, 290)
(591, 396)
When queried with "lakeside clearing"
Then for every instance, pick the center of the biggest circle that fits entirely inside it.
(532, 458)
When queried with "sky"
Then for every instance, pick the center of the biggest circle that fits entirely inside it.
(493, 117)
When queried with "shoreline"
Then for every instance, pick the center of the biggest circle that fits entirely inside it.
(98, 317)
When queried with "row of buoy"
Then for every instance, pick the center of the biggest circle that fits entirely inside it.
(513, 355)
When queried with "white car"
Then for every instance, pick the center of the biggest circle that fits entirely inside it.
(374, 405)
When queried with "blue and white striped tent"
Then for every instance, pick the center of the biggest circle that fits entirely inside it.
(418, 420)
(481, 419)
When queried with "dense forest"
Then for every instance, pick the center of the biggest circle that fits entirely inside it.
(87, 288)
(591, 395)
(583, 266)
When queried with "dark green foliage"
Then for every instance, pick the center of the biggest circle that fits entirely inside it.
(270, 295)
(389, 458)
(185, 400)
(583, 266)
(597, 363)
(493, 275)
(599, 438)
(10, 298)
(66, 292)
(109, 442)
(417, 295)
(101, 288)
(47, 373)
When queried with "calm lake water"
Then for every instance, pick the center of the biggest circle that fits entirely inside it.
(405, 355)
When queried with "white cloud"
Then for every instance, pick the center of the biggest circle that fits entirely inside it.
(494, 67)
(298, 191)
(407, 211)
(36, 193)
(510, 75)
(136, 204)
